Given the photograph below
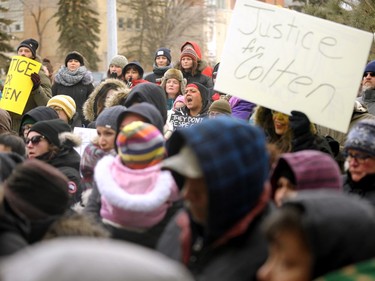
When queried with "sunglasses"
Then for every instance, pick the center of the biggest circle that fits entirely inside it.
(372, 74)
(35, 139)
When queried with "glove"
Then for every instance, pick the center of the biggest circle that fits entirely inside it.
(36, 80)
(113, 75)
(299, 123)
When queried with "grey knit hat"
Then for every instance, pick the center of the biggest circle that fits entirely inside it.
(108, 117)
(119, 60)
(361, 137)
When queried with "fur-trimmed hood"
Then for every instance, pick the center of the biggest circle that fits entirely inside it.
(70, 139)
(89, 107)
(118, 98)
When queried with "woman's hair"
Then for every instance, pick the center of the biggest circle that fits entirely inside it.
(99, 103)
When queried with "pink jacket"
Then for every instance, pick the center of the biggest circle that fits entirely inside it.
(133, 198)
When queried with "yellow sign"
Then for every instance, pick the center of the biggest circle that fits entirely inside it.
(18, 84)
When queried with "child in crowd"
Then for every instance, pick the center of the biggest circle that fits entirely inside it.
(135, 192)
(133, 74)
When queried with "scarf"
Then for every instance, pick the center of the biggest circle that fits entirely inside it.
(71, 78)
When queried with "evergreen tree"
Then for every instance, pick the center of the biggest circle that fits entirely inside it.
(4, 40)
(79, 28)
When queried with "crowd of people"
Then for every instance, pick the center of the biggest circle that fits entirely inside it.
(180, 182)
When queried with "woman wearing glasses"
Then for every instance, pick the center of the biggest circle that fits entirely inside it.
(360, 157)
(52, 142)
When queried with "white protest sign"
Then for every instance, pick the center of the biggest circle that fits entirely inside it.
(87, 135)
(285, 60)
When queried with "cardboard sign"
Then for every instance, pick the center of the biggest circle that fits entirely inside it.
(86, 135)
(285, 60)
(18, 85)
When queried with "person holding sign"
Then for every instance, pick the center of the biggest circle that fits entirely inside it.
(368, 88)
(290, 133)
(41, 90)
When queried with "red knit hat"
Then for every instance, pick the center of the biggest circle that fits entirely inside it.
(188, 52)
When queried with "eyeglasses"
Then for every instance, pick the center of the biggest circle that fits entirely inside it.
(35, 139)
(372, 74)
(360, 158)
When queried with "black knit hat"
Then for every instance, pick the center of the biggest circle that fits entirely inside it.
(76, 56)
(51, 129)
(30, 43)
(164, 52)
(37, 190)
(135, 64)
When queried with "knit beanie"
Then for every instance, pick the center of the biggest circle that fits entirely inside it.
(164, 52)
(370, 67)
(108, 117)
(202, 89)
(179, 98)
(135, 64)
(30, 43)
(361, 137)
(37, 190)
(221, 106)
(119, 61)
(188, 52)
(51, 129)
(76, 56)
(67, 104)
(176, 74)
(140, 145)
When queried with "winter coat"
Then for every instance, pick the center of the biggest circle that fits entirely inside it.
(198, 77)
(5, 122)
(39, 96)
(230, 246)
(90, 107)
(66, 84)
(368, 99)
(241, 109)
(365, 188)
(90, 157)
(67, 160)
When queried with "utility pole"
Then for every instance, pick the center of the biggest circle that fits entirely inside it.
(111, 30)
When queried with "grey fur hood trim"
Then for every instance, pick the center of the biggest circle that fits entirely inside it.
(118, 98)
(88, 106)
(70, 138)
